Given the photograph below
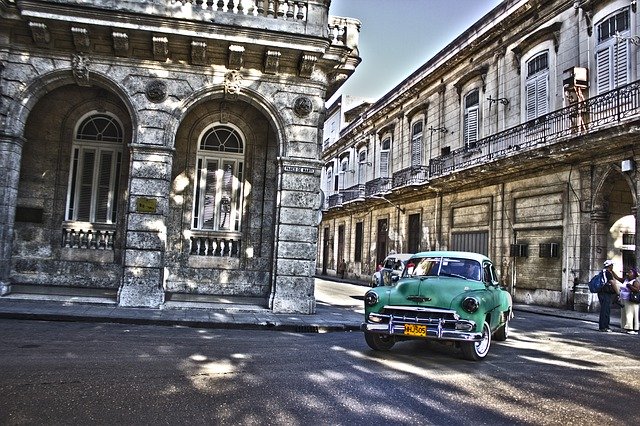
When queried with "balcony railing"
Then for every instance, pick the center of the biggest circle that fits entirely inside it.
(85, 235)
(353, 193)
(204, 244)
(587, 116)
(377, 186)
(335, 200)
(279, 9)
(410, 176)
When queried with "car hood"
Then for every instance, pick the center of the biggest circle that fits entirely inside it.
(431, 291)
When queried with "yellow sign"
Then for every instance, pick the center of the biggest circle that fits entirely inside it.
(146, 205)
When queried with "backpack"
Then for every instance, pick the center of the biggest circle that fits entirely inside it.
(596, 283)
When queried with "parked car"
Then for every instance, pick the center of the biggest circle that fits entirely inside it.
(443, 296)
(392, 265)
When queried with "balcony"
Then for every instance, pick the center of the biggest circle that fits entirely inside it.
(413, 175)
(593, 114)
(377, 186)
(353, 193)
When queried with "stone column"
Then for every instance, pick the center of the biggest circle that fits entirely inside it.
(583, 300)
(296, 238)
(146, 233)
(10, 159)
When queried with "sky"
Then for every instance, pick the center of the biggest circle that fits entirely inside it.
(398, 36)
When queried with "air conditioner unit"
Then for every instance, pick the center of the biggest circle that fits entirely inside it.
(549, 250)
(576, 76)
(519, 250)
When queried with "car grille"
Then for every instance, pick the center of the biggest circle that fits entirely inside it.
(417, 315)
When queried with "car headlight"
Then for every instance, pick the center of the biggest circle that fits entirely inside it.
(371, 298)
(470, 304)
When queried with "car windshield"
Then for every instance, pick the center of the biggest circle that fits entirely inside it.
(443, 266)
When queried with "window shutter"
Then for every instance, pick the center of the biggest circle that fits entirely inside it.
(603, 69)
(86, 185)
(226, 201)
(542, 98)
(471, 126)
(416, 151)
(621, 60)
(103, 187)
(209, 197)
(531, 100)
(384, 164)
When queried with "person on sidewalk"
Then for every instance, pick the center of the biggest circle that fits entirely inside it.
(605, 295)
(342, 268)
(629, 321)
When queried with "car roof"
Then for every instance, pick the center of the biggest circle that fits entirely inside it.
(452, 253)
(400, 256)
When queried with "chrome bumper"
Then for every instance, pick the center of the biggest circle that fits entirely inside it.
(436, 328)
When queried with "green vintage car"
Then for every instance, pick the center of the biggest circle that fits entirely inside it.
(441, 295)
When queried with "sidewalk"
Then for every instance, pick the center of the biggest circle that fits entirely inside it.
(328, 317)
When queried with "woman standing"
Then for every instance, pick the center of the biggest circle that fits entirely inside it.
(629, 313)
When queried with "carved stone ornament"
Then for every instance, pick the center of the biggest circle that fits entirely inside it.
(40, 33)
(271, 62)
(160, 48)
(307, 64)
(232, 84)
(235, 57)
(156, 91)
(81, 38)
(80, 64)
(302, 106)
(198, 52)
(120, 43)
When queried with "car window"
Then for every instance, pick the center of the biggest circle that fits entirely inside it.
(447, 266)
(388, 263)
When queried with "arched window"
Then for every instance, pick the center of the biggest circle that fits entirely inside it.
(219, 176)
(95, 169)
(537, 86)
(612, 51)
(416, 144)
(471, 117)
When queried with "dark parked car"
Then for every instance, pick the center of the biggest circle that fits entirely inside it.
(441, 295)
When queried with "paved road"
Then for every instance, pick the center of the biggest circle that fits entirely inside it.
(551, 371)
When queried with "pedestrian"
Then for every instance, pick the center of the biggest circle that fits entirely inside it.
(605, 295)
(629, 321)
(342, 267)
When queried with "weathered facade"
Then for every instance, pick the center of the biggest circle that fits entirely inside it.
(157, 150)
(517, 140)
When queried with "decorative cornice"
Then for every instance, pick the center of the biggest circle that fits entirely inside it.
(551, 32)
(475, 73)
(422, 107)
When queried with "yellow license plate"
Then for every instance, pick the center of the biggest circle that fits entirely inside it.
(415, 330)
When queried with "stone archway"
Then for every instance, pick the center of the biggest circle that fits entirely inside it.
(211, 264)
(613, 220)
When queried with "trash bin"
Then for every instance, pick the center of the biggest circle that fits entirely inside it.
(582, 298)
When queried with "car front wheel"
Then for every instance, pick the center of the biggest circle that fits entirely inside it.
(476, 351)
(379, 342)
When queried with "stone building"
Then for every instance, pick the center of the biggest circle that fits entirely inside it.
(517, 140)
(166, 149)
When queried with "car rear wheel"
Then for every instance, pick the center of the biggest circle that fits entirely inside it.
(379, 342)
(476, 351)
(502, 333)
